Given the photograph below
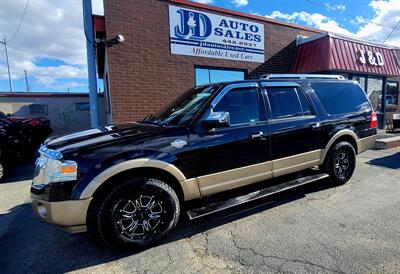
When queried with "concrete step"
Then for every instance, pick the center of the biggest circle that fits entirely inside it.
(386, 143)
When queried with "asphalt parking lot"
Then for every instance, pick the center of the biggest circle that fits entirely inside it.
(353, 228)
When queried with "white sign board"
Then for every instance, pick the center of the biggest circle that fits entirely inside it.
(203, 34)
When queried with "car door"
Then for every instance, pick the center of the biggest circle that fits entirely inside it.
(294, 127)
(233, 156)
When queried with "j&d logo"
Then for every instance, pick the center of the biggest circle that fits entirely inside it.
(198, 26)
(193, 24)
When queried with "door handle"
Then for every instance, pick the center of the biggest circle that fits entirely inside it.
(316, 125)
(257, 135)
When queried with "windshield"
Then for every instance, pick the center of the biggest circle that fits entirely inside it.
(184, 108)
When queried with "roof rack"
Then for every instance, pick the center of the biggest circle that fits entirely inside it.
(302, 76)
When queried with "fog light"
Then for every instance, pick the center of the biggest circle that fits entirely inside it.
(42, 211)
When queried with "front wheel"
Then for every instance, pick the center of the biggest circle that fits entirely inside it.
(341, 163)
(136, 214)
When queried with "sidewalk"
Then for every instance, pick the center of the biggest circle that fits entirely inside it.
(387, 139)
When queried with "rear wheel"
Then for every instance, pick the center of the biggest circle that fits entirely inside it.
(341, 163)
(135, 215)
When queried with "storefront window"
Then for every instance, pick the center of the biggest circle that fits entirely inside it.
(392, 96)
(206, 75)
(360, 80)
(375, 93)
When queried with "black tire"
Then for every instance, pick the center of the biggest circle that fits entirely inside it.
(340, 163)
(136, 214)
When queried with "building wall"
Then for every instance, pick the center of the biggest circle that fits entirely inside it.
(144, 75)
(61, 110)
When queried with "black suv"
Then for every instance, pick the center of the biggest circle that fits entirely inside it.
(128, 183)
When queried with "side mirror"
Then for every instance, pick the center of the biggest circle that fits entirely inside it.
(217, 119)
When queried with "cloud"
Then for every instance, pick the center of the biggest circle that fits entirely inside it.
(51, 30)
(386, 13)
(240, 3)
(204, 1)
(376, 29)
(339, 7)
(314, 20)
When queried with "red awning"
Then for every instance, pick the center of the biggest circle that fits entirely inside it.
(329, 52)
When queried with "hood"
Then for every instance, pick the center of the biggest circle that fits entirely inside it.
(102, 136)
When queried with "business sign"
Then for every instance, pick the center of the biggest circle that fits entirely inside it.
(203, 34)
(372, 58)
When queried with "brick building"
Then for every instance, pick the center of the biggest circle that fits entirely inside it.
(172, 45)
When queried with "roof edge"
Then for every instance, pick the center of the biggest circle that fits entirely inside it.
(242, 14)
(304, 40)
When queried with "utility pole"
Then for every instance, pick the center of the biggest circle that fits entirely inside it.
(4, 42)
(26, 81)
(91, 64)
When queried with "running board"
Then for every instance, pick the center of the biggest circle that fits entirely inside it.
(232, 202)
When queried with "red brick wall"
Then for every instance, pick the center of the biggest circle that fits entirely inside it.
(144, 75)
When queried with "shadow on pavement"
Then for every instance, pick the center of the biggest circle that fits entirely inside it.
(26, 245)
(390, 161)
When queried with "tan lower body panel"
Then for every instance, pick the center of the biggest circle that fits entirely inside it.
(296, 163)
(365, 143)
(71, 215)
(230, 179)
(225, 180)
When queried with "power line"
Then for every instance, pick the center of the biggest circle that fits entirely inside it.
(347, 14)
(20, 22)
(395, 27)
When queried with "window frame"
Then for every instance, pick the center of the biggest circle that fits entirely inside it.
(260, 106)
(218, 97)
(297, 89)
(397, 83)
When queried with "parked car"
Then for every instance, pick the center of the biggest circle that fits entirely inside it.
(19, 137)
(128, 184)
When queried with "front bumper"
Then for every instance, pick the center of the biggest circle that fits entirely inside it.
(69, 215)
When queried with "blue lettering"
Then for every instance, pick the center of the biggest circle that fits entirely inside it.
(218, 32)
(253, 28)
(223, 24)
(248, 36)
(257, 38)
(229, 34)
(196, 25)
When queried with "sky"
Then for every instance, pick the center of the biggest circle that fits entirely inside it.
(49, 43)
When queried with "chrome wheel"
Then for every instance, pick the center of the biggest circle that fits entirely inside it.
(140, 217)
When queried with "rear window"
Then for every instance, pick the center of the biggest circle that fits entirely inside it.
(341, 98)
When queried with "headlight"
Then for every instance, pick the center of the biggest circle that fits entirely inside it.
(61, 171)
(50, 168)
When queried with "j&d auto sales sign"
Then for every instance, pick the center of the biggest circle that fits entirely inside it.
(203, 34)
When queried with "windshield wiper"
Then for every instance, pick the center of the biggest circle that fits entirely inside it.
(153, 119)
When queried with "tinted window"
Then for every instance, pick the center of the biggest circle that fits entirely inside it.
(242, 105)
(284, 102)
(338, 98)
(305, 105)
